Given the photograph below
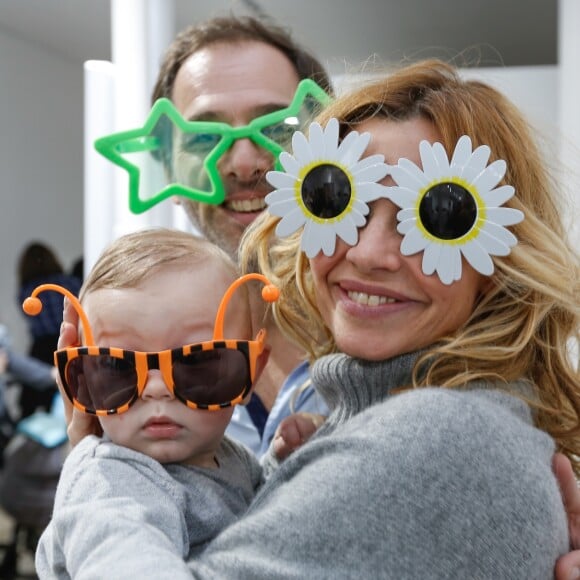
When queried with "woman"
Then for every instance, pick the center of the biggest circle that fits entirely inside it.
(448, 380)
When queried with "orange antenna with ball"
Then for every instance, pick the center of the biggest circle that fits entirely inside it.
(270, 293)
(33, 306)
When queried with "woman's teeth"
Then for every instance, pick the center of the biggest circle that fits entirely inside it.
(369, 299)
(246, 205)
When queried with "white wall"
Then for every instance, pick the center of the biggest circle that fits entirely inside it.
(40, 162)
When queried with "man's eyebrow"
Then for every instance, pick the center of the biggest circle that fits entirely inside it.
(219, 116)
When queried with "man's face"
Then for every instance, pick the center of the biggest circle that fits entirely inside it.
(234, 84)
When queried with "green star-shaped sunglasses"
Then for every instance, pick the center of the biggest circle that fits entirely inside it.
(171, 156)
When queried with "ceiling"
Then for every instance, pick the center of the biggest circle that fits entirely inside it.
(343, 33)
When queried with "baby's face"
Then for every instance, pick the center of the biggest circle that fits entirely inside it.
(174, 307)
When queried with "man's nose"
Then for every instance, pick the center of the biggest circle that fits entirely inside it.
(245, 161)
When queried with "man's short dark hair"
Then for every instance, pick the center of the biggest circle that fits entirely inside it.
(234, 30)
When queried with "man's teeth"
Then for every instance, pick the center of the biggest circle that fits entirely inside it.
(247, 205)
(369, 299)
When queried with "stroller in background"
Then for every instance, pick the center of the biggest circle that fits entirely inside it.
(33, 460)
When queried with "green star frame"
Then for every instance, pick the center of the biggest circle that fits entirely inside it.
(155, 141)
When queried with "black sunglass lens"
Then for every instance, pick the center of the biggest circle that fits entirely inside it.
(326, 191)
(101, 382)
(211, 377)
(448, 211)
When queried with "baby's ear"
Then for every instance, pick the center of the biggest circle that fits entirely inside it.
(261, 362)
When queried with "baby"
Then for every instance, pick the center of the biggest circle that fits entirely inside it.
(163, 407)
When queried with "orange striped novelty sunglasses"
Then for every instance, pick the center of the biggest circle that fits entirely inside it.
(207, 375)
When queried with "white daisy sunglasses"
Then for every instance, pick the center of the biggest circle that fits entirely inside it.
(449, 209)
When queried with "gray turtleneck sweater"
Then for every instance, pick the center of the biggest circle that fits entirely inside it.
(429, 483)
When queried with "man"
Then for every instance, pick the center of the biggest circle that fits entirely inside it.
(234, 70)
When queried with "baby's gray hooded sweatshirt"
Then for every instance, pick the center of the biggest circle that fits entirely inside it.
(429, 483)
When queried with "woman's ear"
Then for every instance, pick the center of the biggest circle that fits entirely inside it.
(487, 284)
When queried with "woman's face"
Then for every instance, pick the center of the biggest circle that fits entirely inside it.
(378, 303)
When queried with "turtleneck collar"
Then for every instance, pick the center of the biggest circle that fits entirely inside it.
(350, 385)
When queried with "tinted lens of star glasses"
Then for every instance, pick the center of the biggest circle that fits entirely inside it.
(204, 377)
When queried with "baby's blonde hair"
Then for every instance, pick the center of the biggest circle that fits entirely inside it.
(133, 258)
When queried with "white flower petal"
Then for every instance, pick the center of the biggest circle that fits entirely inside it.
(301, 148)
(360, 206)
(407, 213)
(479, 259)
(347, 230)
(369, 161)
(310, 242)
(282, 207)
(441, 159)
(492, 245)
(279, 195)
(500, 233)
(358, 218)
(407, 174)
(290, 223)
(346, 144)
(457, 266)
(477, 163)
(355, 151)
(413, 242)
(490, 176)
(331, 138)
(504, 216)
(372, 173)
(406, 226)
(430, 258)
(428, 161)
(279, 179)
(316, 139)
(327, 239)
(461, 156)
(290, 165)
(498, 196)
(402, 197)
(446, 264)
(371, 191)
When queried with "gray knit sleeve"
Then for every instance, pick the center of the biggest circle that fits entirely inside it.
(431, 483)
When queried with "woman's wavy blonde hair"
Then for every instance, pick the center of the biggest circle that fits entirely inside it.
(525, 323)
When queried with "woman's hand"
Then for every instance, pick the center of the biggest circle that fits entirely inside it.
(568, 566)
(79, 425)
